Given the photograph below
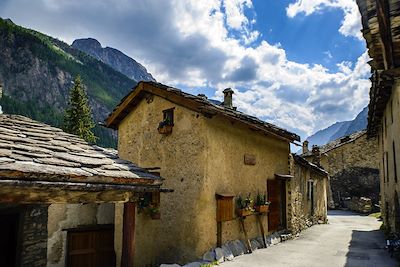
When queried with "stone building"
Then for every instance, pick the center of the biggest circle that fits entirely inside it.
(381, 30)
(308, 194)
(353, 166)
(205, 150)
(64, 202)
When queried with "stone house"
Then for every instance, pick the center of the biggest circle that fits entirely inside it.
(307, 194)
(381, 30)
(208, 152)
(353, 165)
(64, 202)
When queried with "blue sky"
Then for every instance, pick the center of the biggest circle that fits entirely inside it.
(307, 39)
(300, 64)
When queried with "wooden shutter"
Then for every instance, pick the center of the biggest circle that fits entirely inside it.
(91, 248)
(274, 208)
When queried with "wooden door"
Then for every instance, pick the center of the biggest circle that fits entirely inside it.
(274, 207)
(91, 248)
(282, 206)
(277, 210)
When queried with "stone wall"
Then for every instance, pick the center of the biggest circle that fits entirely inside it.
(353, 169)
(202, 157)
(356, 182)
(30, 228)
(303, 213)
(34, 236)
(67, 216)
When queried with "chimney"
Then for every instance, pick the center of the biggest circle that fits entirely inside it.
(305, 147)
(228, 92)
(316, 156)
(202, 96)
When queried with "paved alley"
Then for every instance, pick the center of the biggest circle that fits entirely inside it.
(349, 240)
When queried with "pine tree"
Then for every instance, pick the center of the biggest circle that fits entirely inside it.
(78, 116)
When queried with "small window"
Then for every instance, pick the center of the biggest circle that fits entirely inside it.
(383, 168)
(394, 162)
(309, 189)
(391, 110)
(385, 127)
(168, 116)
(387, 166)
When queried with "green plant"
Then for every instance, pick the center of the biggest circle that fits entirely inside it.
(245, 203)
(165, 122)
(261, 199)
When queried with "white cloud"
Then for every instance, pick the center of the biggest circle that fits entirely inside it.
(189, 43)
(351, 23)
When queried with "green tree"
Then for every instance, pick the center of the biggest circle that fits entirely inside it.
(78, 116)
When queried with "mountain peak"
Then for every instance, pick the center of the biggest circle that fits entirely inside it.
(87, 42)
(340, 129)
(114, 58)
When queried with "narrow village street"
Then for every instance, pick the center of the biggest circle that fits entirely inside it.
(349, 240)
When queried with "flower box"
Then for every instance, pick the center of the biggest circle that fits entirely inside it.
(262, 208)
(244, 212)
(166, 129)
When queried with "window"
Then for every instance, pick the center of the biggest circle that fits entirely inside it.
(383, 168)
(309, 189)
(391, 110)
(385, 127)
(387, 166)
(168, 116)
(394, 162)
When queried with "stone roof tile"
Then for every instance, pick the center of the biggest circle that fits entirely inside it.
(35, 151)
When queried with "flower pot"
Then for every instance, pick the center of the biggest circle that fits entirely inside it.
(166, 129)
(155, 215)
(262, 208)
(243, 212)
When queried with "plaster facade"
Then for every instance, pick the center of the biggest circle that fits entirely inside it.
(389, 152)
(66, 216)
(201, 157)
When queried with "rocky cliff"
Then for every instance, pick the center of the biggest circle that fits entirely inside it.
(36, 73)
(114, 58)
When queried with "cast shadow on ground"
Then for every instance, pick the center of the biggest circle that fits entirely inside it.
(367, 248)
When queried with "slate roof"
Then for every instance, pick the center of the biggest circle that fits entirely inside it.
(302, 161)
(337, 143)
(197, 103)
(381, 30)
(30, 150)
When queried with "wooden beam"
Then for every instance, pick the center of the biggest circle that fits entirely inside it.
(27, 192)
(382, 12)
(262, 229)
(247, 240)
(128, 238)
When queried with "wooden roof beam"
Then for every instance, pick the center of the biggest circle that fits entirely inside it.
(382, 8)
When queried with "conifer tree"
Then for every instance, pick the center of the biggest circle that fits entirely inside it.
(78, 116)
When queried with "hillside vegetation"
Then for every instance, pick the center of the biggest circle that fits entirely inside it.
(36, 72)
